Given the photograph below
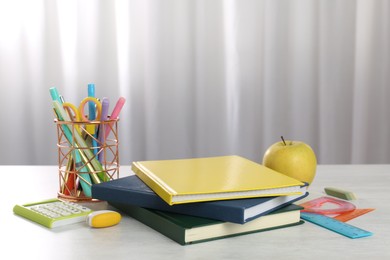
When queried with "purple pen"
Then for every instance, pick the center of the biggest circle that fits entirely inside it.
(104, 117)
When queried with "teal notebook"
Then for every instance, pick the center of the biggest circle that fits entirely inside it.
(185, 229)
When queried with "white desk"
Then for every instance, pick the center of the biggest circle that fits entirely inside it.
(132, 240)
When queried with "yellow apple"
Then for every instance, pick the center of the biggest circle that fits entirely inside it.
(292, 158)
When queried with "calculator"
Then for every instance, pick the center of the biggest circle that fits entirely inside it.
(53, 213)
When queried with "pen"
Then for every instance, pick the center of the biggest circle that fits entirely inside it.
(91, 105)
(80, 142)
(63, 116)
(105, 105)
(55, 95)
(115, 113)
(104, 117)
(92, 116)
(70, 178)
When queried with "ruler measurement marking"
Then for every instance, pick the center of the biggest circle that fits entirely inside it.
(335, 225)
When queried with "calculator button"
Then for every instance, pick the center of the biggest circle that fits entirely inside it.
(65, 213)
(85, 209)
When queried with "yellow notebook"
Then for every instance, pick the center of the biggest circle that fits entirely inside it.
(213, 178)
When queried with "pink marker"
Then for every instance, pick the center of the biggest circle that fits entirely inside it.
(115, 113)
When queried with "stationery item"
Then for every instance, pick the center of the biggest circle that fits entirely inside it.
(55, 95)
(101, 132)
(131, 190)
(68, 184)
(53, 213)
(92, 116)
(115, 114)
(186, 229)
(90, 127)
(86, 155)
(68, 178)
(85, 181)
(346, 216)
(82, 108)
(321, 206)
(91, 104)
(80, 149)
(339, 193)
(335, 225)
(73, 114)
(105, 105)
(213, 178)
(77, 136)
(86, 178)
(78, 116)
(103, 218)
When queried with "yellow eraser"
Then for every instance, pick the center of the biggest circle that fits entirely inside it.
(339, 193)
(103, 218)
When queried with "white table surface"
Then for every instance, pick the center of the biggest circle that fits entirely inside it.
(131, 239)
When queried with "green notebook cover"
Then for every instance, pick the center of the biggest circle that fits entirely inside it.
(185, 229)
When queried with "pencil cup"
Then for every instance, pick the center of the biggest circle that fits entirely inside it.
(87, 154)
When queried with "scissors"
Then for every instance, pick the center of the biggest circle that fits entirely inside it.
(78, 116)
(78, 113)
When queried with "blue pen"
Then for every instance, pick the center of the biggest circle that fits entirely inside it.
(91, 105)
(92, 116)
(104, 117)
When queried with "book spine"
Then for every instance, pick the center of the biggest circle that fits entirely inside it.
(277, 207)
(155, 186)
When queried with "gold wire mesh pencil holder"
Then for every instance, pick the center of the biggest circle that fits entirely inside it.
(86, 158)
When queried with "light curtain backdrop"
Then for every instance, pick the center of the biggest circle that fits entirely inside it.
(201, 77)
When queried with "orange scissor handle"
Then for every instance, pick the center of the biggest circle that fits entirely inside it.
(98, 107)
(73, 113)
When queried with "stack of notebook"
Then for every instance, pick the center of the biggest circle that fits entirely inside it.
(200, 199)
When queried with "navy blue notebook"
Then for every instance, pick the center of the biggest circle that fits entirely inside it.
(132, 191)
